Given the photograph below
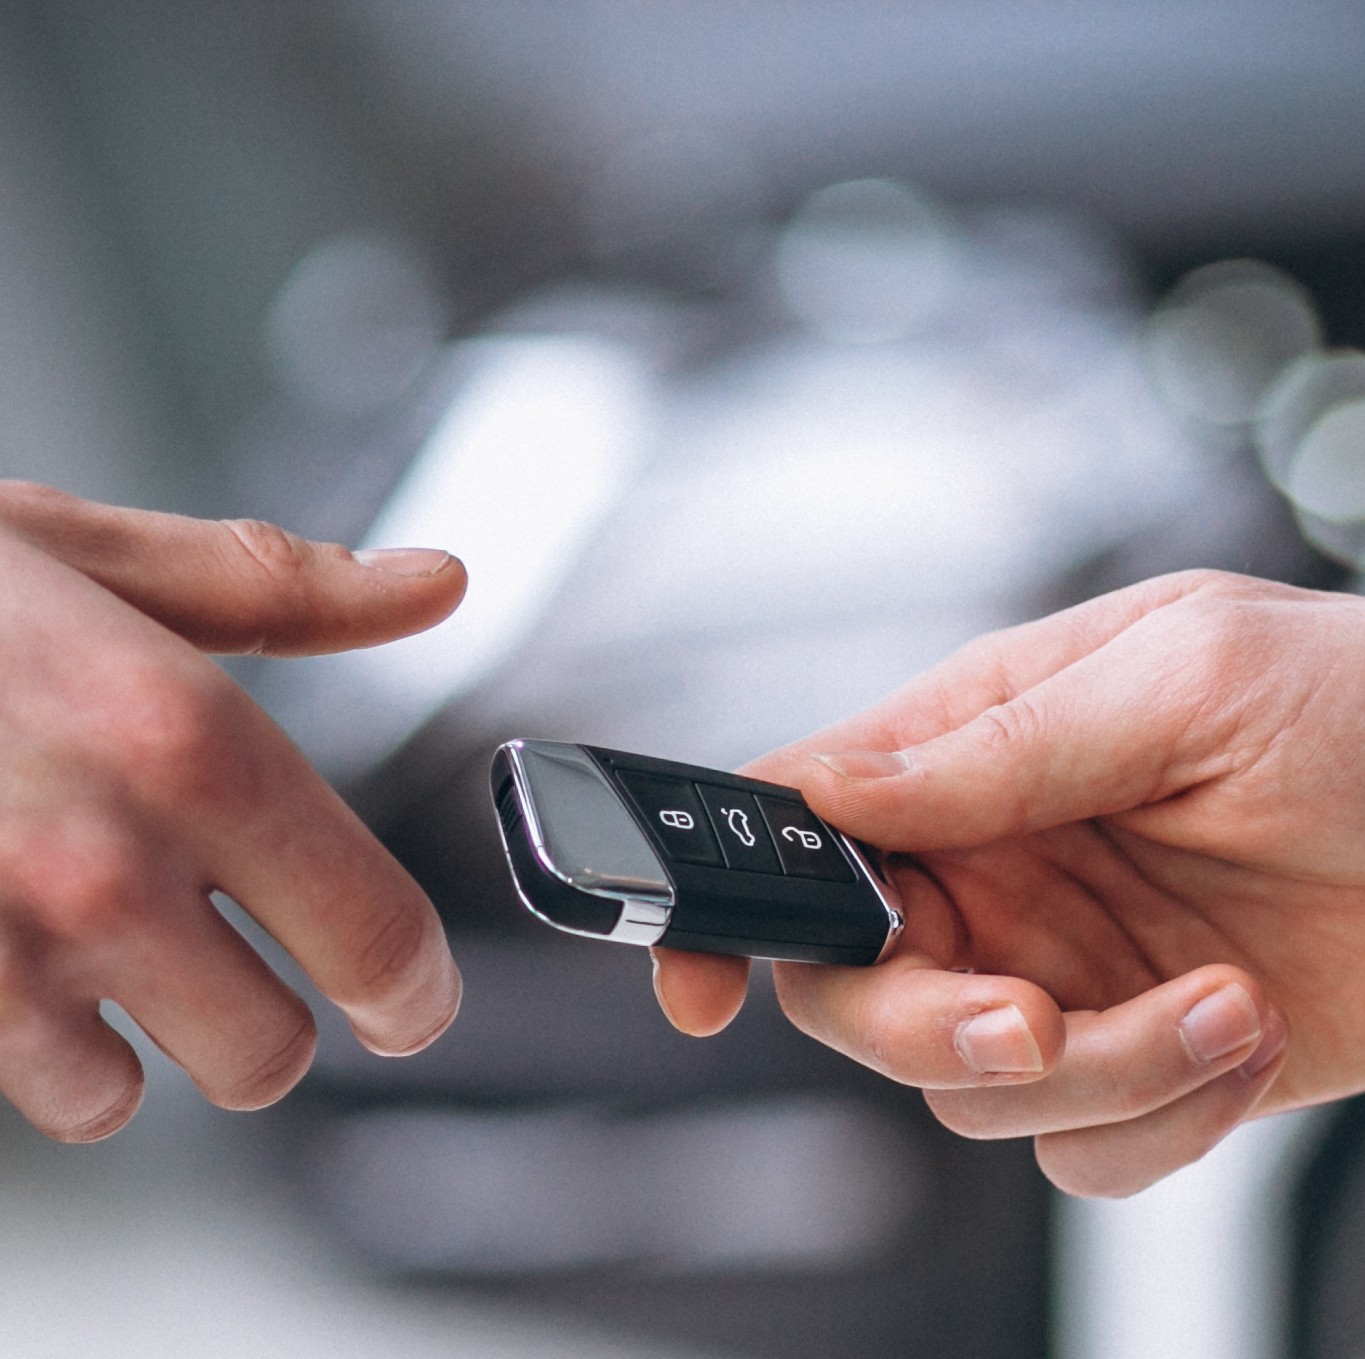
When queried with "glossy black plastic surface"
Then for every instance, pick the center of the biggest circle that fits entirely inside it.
(754, 871)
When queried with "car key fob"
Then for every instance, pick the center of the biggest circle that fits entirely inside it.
(646, 851)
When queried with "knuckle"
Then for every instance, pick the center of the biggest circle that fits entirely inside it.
(1213, 679)
(1208, 581)
(1231, 586)
(1231, 627)
(272, 1077)
(1210, 588)
(277, 570)
(1008, 726)
(88, 880)
(267, 549)
(173, 731)
(985, 651)
(391, 953)
(1222, 628)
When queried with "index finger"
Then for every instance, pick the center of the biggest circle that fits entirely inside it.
(238, 585)
(991, 670)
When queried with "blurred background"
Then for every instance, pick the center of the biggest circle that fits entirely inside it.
(753, 355)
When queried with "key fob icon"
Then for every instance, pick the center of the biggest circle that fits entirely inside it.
(645, 851)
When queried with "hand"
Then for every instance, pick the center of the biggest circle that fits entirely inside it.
(1141, 822)
(135, 779)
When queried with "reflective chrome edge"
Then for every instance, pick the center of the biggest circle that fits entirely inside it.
(895, 917)
(641, 921)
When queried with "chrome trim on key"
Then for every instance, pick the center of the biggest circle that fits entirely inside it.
(891, 904)
(583, 835)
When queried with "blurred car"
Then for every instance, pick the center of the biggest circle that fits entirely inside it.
(753, 357)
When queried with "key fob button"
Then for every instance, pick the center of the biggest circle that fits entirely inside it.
(674, 814)
(740, 828)
(804, 843)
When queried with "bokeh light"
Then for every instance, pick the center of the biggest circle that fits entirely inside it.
(1224, 334)
(354, 321)
(1310, 438)
(1327, 478)
(1304, 393)
(867, 260)
(1343, 541)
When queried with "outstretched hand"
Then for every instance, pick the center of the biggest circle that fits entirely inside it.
(135, 779)
(1140, 823)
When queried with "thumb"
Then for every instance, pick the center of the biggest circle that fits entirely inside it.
(239, 585)
(1105, 734)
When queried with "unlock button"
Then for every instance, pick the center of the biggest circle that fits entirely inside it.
(805, 844)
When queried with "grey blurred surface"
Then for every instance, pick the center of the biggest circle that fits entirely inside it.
(176, 1238)
(881, 279)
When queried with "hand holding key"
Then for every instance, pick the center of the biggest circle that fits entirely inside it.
(1141, 823)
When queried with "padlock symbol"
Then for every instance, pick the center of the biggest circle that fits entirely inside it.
(678, 820)
(807, 839)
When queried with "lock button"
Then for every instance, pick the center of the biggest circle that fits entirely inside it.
(673, 812)
(804, 843)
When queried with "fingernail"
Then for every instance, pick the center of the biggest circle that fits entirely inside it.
(403, 561)
(659, 990)
(868, 764)
(998, 1041)
(1219, 1024)
(1272, 1043)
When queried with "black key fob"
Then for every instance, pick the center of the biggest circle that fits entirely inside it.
(647, 851)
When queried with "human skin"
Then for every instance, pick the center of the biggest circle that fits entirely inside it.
(136, 779)
(1141, 824)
